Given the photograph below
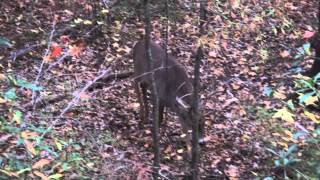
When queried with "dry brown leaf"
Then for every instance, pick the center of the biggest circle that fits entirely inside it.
(47, 59)
(41, 163)
(234, 3)
(284, 54)
(84, 96)
(2, 101)
(28, 134)
(232, 172)
(229, 101)
(220, 126)
(30, 147)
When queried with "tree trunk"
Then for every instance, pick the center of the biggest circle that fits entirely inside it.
(154, 94)
(196, 84)
(315, 44)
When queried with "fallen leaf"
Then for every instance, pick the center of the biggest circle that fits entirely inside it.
(2, 77)
(30, 147)
(180, 151)
(2, 101)
(279, 95)
(55, 50)
(232, 172)
(41, 175)
(213, 54)
(28, 134)
(234, 3)
(308, 34)
(84, 96)
(284, 54)
(312, 116)
(47, 59)
(284, 114)
(229, 101)
(41, 163)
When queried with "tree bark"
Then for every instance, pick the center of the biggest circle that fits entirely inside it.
(195, 106)
(315, 44)
(154, 94)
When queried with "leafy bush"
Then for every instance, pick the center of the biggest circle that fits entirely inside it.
(301, 159)
(29, 150)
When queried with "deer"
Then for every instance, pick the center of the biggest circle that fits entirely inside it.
(174, 88)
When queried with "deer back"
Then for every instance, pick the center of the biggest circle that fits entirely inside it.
(170, 76)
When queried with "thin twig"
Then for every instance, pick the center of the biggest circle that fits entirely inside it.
(75, 100)
(43, 62)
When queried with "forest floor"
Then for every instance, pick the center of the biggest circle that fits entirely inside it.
(246, 51)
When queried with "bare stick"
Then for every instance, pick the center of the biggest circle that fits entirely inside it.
(78, 94)
(75, 100)
(155, 97)
(43, 62)
(195, 105)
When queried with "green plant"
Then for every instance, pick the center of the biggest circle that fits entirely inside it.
(300, 161)
(307, 88)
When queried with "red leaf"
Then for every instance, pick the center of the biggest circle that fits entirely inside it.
(308, 34)
(55, 50)
(77, 48)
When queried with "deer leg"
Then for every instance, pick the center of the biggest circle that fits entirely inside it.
(145, 102)
(185, 130)
(140, 100)
(161, 112)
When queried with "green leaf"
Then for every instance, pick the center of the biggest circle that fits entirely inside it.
(25, 84)
(285, 115)
(290, 104)
(305, 97)
(5, 42)
(298, 134)
(17, 117)
(306, 48)
(10, 94)
(20, 142)
(12, 80)
(37, 129)
(306, 84)
(58, 144)
(56, 176)
(23, 170)
(291, 149)
(286, 161)
(316, 77)
(65, 166)
(75, 157)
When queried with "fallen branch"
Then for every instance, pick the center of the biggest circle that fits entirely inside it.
(75, 100)
(34, 95)
(20, 52)
(78, 94)
(99, 84)
(41, 103)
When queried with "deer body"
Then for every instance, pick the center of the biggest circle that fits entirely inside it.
(174, 88)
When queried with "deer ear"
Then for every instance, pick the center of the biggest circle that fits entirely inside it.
(182, 103)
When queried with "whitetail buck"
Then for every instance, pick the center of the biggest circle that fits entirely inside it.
(174, 88)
